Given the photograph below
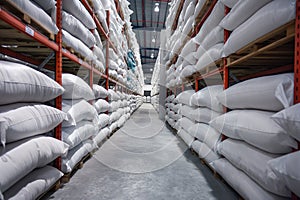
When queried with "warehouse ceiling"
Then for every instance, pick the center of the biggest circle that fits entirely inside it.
(147, 20)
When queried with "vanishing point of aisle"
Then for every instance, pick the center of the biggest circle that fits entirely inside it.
(144, 161)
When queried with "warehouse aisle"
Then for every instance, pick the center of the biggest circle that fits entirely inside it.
(144, 160)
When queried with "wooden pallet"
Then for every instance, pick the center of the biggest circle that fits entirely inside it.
(66, 177)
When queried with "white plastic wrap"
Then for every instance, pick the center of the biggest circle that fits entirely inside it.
(186, 123)
(289, 120)
(74, 135)
(20, 158)
(244, 185)
(254, 163)
(76, 8)
(186, 111)
(19, 121)
(76, 88)
(256, 128)
(36, 13)
(287, 169)
(240, 12)
(199, 131)
(207, 97)
(271, 93)
(34, 184)
(19, 83)
(191, 46)
(204, 115)
(270, 17)
(46, 5)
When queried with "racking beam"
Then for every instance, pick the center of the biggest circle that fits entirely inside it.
(17, 24)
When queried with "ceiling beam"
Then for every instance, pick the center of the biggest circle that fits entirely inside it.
(149, 48)
(148, 28)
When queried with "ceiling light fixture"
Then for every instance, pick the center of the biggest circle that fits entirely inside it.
(152, 55)
(156, 9)
(153, 40)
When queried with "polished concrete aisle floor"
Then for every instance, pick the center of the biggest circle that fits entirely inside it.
(144, 160)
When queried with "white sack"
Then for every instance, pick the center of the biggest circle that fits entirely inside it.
(254, 163)
(240, 12)
(74, 135)
(19, 83)
(204, 115)
(36, 13)
(191, 46)
(78, 112)
(187, 138)
(103, 133)
(186, 123)
(204, 151)
(19, 121)
(207, 97)
(103, 120)
(99, 92)
(185, 96)
(34, 184)
(76, 8)
(256, 128)
(20, 158)
(102, 105)
(270, 17)
(271, 93)
(240, 182)
(289, 120)
(186, 111)
(76, 88)
(76, 154)
(199, 131)
(229, 3)
(287, 169)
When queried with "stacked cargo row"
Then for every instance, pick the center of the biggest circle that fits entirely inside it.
(48, 126)
(231, 92)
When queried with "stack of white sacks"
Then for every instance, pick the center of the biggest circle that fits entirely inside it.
(26, 152)
(207, 108)
(254, 137)
(172, 109)
(83, 122)
(102, 107)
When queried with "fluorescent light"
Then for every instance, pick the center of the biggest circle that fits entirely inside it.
(156, 9)
(152, 55)
(151, 69)
(153, 40)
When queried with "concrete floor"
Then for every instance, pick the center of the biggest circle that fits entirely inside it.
(144, 161)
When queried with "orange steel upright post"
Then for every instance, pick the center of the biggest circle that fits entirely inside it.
(107, 56)
(225, 68)
(58, 70)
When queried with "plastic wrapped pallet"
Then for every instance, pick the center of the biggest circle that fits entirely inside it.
(19, 83)
(21, 120)
(271, 93)
(254, 163)
(74, 135)
(34, 184)
(289, 120)
(76, 88)
(76, 154)
(36, 13)
(271, 16)
(20, 158)
(207, 97)
(76, 8)
(244, 185)
(286, 168)
(256, 128)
